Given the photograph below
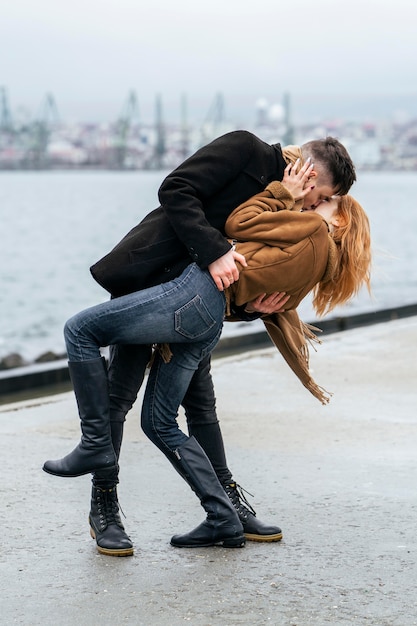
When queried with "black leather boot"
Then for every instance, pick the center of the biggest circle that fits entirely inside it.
(222, 526)
(105, 524)
(95, 451)
(253, 528)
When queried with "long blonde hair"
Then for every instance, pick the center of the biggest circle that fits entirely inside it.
(353, 241)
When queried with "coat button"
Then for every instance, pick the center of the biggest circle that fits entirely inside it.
(262, 178)
(167, 270)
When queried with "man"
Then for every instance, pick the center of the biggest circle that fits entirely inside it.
(196, 199)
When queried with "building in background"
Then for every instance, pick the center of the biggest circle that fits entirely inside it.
(131, 143)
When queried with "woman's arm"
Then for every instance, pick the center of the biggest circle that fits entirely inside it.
(257, 214)
(258, 218)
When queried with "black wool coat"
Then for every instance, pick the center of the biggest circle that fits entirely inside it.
(196, 200)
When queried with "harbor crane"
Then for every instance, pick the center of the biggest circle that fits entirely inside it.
(129, 115)
(40, 132)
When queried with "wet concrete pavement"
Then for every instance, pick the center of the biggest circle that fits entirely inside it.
(340, 480)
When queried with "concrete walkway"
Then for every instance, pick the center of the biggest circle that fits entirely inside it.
(340, 480)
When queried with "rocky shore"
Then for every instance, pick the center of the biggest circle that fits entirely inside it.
(14, 359)
(329, 325)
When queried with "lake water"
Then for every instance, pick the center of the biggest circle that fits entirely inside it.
(54, 225)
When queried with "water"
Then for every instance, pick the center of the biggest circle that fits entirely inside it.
(56, 224)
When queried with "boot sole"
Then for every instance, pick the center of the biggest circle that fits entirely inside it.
(75, 475)
(109, 551)
(263, 538)
(226, 543)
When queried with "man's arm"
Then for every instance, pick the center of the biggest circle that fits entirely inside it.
(266, 305)
(263, 305)
(224, 270)
(184, 192)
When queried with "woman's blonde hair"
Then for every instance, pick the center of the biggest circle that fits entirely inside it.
(353, 241)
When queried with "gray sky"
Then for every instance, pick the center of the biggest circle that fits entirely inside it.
(91, 53)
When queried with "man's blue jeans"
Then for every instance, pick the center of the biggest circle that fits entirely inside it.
(187, 313)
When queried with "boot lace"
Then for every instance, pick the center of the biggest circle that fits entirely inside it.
(108, 508)
(236, 494)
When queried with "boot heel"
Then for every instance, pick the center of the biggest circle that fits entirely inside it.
(234, 542)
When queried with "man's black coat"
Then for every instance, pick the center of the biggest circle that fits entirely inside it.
(196, 199)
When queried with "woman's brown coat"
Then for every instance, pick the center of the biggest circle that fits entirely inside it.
(286, 250)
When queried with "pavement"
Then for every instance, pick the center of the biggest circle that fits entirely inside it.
(339, 479)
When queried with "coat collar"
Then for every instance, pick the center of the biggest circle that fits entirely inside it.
(292, 153)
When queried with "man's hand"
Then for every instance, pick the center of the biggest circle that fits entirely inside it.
(224, 271)
(268, 304)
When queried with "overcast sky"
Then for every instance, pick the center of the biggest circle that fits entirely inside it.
(90, 53)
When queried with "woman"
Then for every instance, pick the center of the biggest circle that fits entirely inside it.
(325, 250)
(185, 318)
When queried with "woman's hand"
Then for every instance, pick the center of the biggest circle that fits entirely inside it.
(296, 181)
(224, 270)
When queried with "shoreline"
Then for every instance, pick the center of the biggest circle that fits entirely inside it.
(33, 379)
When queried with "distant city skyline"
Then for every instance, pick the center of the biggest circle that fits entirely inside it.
(305, 108)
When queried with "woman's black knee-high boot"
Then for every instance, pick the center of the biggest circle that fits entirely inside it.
(222, 525)
(95, 451)
(210, 438)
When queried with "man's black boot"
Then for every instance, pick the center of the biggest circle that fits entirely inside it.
(105, 524)
(95, 451)
(222, 526)
(253, 528)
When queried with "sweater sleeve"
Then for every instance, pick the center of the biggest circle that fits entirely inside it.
(201, 177)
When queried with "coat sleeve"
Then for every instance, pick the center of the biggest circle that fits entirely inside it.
(183, 193)
(267, 218)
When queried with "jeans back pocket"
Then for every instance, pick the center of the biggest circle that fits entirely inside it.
(194, 320)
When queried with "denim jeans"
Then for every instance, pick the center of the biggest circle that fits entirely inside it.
(186, 312)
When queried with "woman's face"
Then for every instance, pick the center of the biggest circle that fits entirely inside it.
(327, 208)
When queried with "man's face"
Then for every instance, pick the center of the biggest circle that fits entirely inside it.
(317, 195)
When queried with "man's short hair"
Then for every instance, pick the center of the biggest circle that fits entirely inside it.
(335, 160)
